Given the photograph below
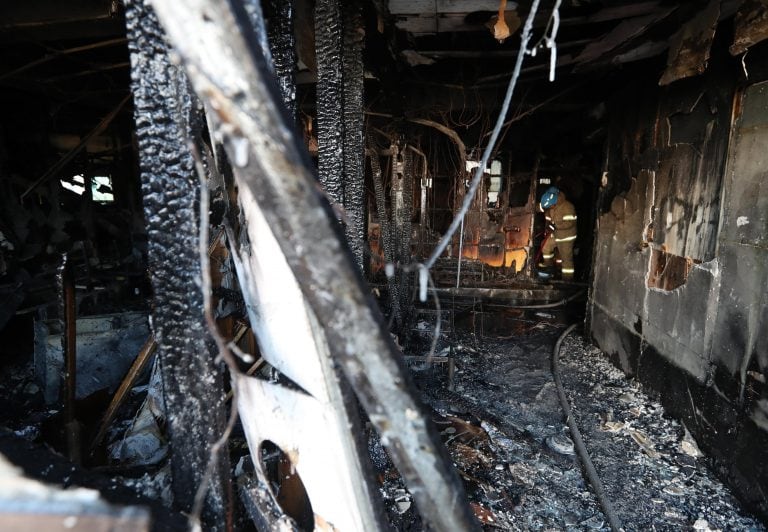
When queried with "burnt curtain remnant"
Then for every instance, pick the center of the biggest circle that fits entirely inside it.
(339, 37)
(192, 381)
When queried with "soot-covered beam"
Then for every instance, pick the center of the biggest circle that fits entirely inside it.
(330, 97)
(354, 154)
(282, 44)
(193, 384)
(339, 34)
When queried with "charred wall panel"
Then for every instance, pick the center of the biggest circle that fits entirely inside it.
(693, 123)
(193, 384)
(678, 295)
(742, 323)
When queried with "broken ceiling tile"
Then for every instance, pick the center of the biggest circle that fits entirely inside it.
(690, 45)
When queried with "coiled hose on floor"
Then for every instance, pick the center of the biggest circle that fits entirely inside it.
(589, 468)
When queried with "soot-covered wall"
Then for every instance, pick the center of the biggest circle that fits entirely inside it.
(678, 293)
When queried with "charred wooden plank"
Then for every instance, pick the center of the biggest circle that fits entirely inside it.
(145, 354)
(689, 46)
(751, 26)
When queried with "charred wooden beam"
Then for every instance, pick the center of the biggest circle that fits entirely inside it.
(282, 44)
(339, 33)
(58, 53)
(330, 97)
(192, 380)
(276, 182)
(354, 151)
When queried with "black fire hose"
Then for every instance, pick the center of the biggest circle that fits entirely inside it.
(589, 468)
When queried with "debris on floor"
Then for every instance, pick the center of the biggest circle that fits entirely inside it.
(29, 504)
(505, 432)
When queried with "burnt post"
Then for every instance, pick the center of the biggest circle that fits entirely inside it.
(330, 126)
(282, 44)
(68, 316)
(339, 34)
(402, 209)
(192, 380)
(354, 151)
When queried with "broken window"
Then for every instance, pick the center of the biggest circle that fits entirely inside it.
(493, 182)
(101, 189)
(76, 184)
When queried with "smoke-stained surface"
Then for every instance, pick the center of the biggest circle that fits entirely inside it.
(192, 381)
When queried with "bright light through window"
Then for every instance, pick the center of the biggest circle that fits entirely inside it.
(495, 174)
(76, 185)
(101, 189)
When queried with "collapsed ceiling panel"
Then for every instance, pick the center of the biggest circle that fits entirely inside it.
(623, 32)
(689, 47)
(751, 25)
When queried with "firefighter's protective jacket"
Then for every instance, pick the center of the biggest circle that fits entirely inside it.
(562, 216)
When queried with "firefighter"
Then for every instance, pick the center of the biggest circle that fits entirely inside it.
(560, 216)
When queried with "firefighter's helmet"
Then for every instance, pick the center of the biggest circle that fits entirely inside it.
(549, 198)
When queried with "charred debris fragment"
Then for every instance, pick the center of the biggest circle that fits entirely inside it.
(278, 265)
